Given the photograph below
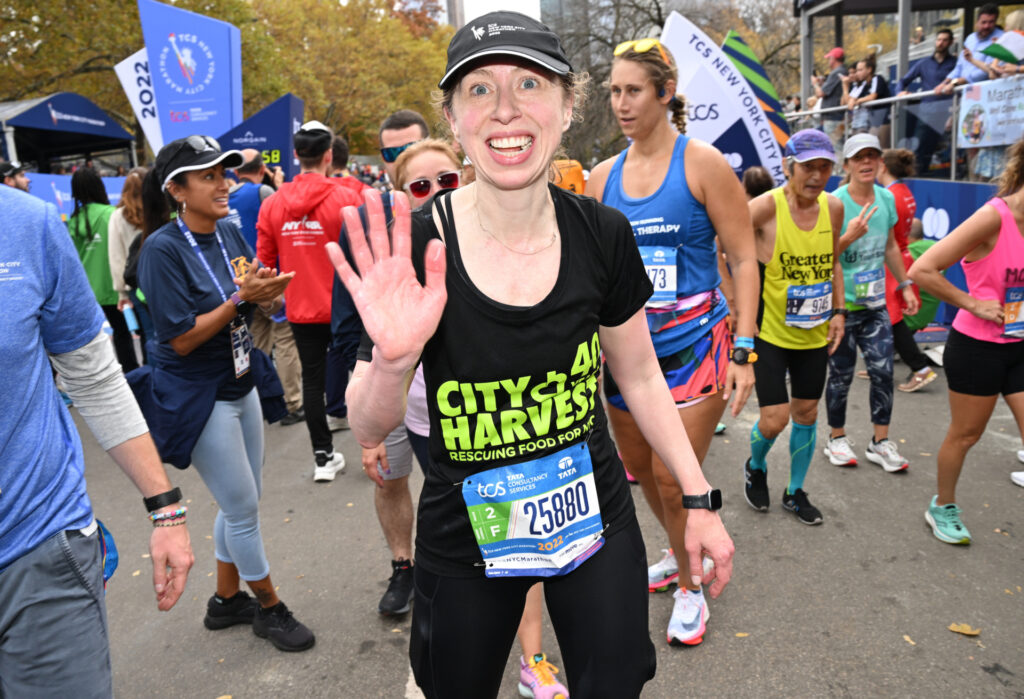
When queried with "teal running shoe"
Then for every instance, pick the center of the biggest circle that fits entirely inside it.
(946, 524)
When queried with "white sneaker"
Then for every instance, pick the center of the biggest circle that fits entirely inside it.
(689, 618)
(1018, 478)
(337, 423)
(840, 451)
(328, 465)
(885, 455)
(663, 573)
(1020, 455)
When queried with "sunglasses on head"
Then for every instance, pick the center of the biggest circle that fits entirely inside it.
(641, 46)
(421, 187)
(391, 154)
(199, 144)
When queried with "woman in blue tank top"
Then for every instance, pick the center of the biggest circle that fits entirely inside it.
(675, 219)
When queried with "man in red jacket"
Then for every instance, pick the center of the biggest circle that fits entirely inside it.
(294, 225)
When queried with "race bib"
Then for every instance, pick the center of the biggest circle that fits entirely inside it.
(241, 347)
(869, 288)
(539, 518)
(660, 263)
(808, 306)
(1013, 319)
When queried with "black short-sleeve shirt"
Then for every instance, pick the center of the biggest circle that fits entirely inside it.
(508, 384)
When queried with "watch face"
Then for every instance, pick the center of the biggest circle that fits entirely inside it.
(740, 355)
(716, 499)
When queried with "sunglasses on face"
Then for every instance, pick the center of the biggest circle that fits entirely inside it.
(421, 187)
(390, 155)
(641, 46)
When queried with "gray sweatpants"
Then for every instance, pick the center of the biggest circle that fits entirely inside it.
(53, 621)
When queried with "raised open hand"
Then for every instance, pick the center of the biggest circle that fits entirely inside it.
(398, 312)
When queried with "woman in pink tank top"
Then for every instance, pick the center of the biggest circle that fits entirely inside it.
(984, 356)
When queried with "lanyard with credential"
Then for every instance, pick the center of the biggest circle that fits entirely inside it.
(202, 258)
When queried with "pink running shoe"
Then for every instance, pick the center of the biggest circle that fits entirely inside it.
(629, 476)
(537, 679)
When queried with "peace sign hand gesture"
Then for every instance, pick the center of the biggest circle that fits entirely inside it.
(399, 313)
(858, 225)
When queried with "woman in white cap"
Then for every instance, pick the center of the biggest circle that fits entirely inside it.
(525, 285)
(202, 391)
(867, 246)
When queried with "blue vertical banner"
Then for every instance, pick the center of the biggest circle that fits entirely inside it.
(270, 131)
(196, 66)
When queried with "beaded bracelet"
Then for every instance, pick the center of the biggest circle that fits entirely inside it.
(173, 514)
(169, 522)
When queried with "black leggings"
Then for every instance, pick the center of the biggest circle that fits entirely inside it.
(906, 345)
(124, 346)
(312, 341)
(463, 628)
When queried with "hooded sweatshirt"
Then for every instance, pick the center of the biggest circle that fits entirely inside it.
(293, 226)
(88, 229)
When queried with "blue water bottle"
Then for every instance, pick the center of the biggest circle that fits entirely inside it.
(131, 320)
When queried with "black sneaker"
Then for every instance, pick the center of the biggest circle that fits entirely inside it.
(397, 598)
(801, 506)
(294, 418)
(285, 631)
(222, 613)
(756, 488)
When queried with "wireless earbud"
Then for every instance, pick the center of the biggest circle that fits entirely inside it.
(661, 92)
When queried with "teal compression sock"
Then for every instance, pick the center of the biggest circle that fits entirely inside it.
(759, 448)
(801, 447)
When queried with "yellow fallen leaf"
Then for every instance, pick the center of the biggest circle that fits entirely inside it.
(221, 660)
(997, 530)
(396, 631)
(903, 441)
(726, 441)
(964, 629)
(136, 573)
(299, 577)
(926, 453)
(189, 501)
(208, 536)
(287, 519)
(224, 696)
(210, 574)
(1018, 589)
(909, 640)
(1007, 591)
(742, 635)
(348, 504)
(985, 505)
(145, 555)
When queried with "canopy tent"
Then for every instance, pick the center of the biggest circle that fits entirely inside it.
(61, 124)
(807, 10)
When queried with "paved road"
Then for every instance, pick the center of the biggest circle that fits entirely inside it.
(856, 607)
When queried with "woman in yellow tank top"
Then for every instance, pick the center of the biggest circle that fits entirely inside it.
(801, 315)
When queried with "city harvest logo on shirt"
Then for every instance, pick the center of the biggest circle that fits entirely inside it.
(241, 266)
(190, 70)
(510, 418)
(651, 226)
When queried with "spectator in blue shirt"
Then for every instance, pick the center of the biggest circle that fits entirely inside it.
(985, 32)
(930, 115)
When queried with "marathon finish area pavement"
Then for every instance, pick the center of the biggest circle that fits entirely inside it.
(856, 607)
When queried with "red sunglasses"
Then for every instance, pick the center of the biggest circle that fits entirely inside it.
(421, 187)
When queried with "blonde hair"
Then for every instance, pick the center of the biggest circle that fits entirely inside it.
(661, 72)
(131, 196)
(1012, 178)
(1014, 21)
(429, 144)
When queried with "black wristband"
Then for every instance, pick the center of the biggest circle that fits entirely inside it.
(162, 500)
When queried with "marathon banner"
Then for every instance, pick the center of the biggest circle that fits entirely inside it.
(991, 113)
(270, 131)
(56, 189)
(723, 108)
(749, 66)
(196, 68)
(133, 72)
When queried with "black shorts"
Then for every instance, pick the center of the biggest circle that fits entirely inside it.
(807, 371)
(981, 368)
